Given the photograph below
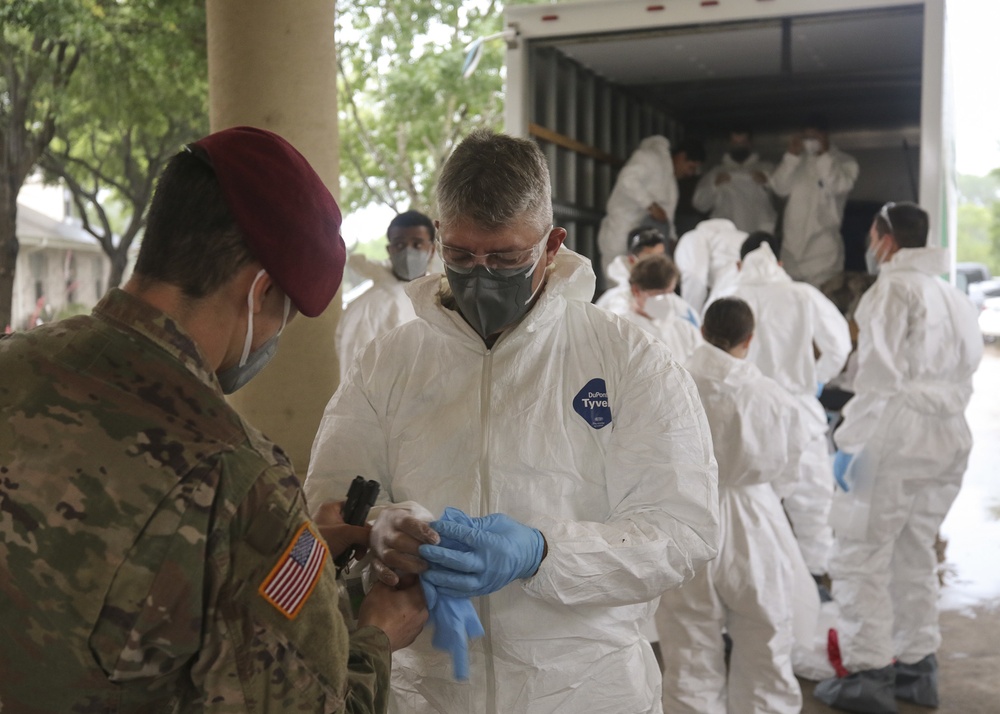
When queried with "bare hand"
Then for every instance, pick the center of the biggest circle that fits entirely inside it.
(396, 536)
(722, 177)
(400, 612)
(760, 177)
(338, 535)
(656, 211)
(795, 145)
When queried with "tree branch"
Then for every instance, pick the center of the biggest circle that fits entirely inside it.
(363, 134)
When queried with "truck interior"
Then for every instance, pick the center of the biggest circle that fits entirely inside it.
(862, 70)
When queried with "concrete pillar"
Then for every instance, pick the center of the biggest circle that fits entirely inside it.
(272, 65)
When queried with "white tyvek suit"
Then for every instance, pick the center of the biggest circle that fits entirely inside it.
(741, 199)
(678, 334)
(619, 298)
(791, 318)
(381, 308)
(812, 248)
(625, 493)
(758, 588)
(646, 178)
(707, 258)
(918, 346)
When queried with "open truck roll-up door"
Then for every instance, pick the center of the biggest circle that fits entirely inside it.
(590, 80)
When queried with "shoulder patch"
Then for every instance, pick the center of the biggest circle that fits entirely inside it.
(592, 404)
(293, 577)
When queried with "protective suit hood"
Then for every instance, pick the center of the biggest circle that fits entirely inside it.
(656, 144)
(716, 225)
(720, 366)
(930, 261)
(761, 266)
(570, 277)
(618, 271)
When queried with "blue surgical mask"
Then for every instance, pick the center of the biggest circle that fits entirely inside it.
(489, 302)
(410, 263)
(251, 363)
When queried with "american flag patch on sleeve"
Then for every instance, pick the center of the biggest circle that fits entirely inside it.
(296, 573)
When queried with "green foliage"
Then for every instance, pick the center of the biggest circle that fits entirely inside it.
(72, 310)
(139, 97)
(980, 190)
(979, 220)
(402, 100)
(373, 249)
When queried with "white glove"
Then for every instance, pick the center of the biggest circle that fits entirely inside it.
(398, 531)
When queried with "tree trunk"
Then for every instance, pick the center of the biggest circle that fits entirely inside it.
(8, 250)
(119, 260)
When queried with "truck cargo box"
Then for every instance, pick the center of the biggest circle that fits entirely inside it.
(590, 80)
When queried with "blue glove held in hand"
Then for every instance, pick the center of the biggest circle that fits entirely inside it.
(819, 389)
(841, 461)
(494, 551)
(455, 622)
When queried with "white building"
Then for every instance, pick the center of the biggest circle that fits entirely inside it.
(61, 269)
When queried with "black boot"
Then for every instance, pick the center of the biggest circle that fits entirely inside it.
(917, 682)
(870, 691)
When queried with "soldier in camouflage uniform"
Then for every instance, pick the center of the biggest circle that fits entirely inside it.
(155, 549)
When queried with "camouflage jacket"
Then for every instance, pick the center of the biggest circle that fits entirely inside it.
(155, 550)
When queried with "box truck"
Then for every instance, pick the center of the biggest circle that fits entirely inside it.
(589, 80)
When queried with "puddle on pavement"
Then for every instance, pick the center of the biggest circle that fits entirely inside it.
(972, 528)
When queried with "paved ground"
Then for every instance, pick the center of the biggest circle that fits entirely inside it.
(970, 599)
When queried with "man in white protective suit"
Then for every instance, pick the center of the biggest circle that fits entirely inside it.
(738, 188)
(653, 280)
(794, 322)
(758, 589)
(642, 242)
(576, 444)
(707, 258)
(385, 305)
(645, 192)
(816, 178)
(903, 448)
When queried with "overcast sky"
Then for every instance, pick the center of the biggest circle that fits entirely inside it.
(976, 73)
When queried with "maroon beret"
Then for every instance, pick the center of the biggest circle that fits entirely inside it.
(289, 219)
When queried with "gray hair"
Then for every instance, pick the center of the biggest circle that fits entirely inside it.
(495, 180)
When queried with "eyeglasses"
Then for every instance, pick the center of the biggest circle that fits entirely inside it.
(884, 214)
(503, 263)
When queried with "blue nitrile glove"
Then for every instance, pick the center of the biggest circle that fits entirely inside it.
(819, 389)
(499, 551)
(841, 461)
(455, 622)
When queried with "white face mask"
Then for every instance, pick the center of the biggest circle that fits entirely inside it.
(410, 263)
(250, 365)
(871, 257)
(811, 146)
(658, 307)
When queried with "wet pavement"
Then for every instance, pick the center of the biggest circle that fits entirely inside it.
(969, 657)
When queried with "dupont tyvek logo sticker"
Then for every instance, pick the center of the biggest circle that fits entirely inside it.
(592, 404)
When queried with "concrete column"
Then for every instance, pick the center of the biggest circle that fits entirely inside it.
(272, 65)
